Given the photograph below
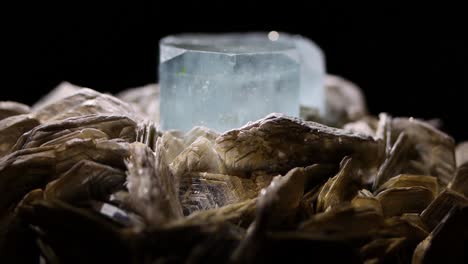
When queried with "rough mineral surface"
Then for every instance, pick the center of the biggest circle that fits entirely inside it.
(88, 178)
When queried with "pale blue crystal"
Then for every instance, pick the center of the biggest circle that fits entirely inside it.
(223, 81)
(312, 92)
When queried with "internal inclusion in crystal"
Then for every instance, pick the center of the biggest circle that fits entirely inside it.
(224, 81)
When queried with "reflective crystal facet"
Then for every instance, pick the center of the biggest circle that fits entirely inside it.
(223, 81)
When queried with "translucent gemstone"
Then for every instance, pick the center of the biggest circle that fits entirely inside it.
(312, 92)
(223, 81)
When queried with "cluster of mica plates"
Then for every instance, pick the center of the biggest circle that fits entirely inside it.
(87, 177)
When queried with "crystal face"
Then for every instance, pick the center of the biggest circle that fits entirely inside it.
(312, 92)
(223, 81)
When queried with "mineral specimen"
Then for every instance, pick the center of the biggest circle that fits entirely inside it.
(8, 109)
(88, 178)
(312, 91)
(344, 101)
(278, 143)
(224, 81)
(12, 128)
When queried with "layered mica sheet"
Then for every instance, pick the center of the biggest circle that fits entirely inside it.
(224, 81)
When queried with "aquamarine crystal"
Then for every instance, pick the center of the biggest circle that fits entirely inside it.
(223, 81)
(312, 92)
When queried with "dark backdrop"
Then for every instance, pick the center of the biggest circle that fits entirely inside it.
(409, 60)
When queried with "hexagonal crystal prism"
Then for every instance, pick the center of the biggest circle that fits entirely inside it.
(223, 81)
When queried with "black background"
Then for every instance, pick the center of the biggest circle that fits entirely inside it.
(409, 60)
